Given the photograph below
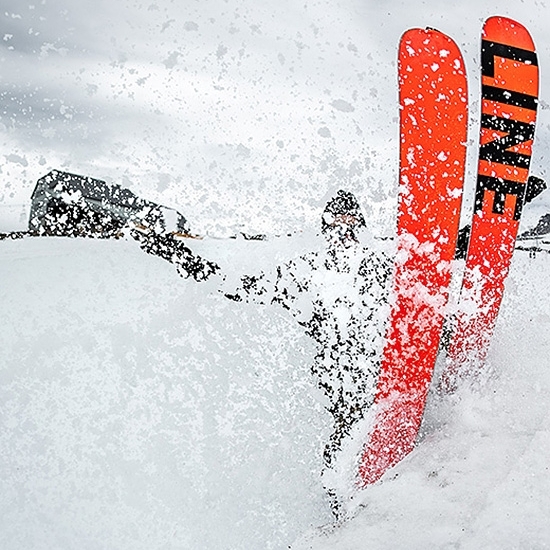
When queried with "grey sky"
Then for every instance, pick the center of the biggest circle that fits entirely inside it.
(237, 112)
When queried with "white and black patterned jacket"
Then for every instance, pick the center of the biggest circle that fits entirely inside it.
(341, 298)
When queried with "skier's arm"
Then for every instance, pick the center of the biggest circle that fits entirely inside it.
(168, 247)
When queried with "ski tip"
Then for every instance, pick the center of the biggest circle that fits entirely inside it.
(418, 37)
(423, 31)
(507, 31)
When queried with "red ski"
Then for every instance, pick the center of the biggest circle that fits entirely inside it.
(433, 126)
(509, 90)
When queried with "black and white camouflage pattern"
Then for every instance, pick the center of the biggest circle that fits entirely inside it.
(341, 298)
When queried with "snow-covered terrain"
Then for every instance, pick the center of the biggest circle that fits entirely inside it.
(142, 410)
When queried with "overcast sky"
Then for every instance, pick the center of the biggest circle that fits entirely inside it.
(240, 113)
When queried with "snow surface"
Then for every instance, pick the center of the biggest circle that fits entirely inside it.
(142, 410)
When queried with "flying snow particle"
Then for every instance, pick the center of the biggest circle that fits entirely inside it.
(16, 159)
(410, 157)
(343, 106)
(172, 60)
(190, 26)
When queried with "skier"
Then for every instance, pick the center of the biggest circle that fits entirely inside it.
(340, 296)
(336, 294)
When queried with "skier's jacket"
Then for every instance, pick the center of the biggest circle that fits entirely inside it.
(340, 296)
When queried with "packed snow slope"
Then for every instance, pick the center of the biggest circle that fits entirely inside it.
(142, 410)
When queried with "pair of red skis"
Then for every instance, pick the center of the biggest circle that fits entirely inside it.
(433, 101)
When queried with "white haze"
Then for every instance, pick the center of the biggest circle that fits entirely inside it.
(242, 114)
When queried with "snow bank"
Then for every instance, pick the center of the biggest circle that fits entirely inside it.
(141, 410)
